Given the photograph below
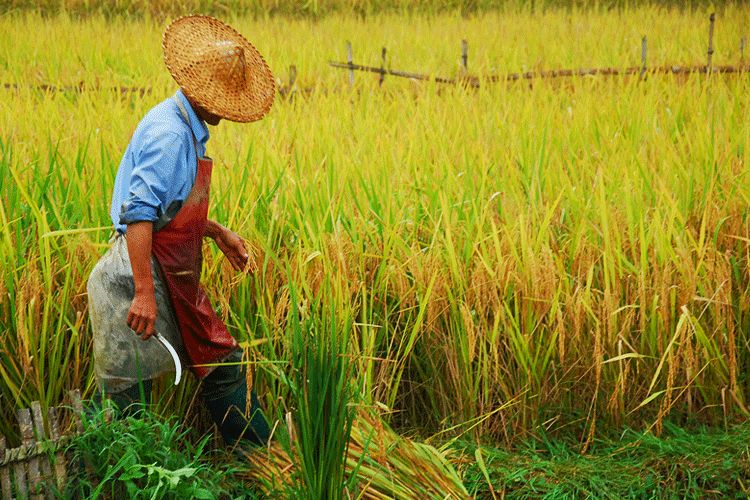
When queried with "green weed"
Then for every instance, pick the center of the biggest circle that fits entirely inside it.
(140, 455)
(683, 463)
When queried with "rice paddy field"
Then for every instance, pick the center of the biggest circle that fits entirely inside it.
(558, 257)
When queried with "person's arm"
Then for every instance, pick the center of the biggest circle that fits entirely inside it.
(142, 313)
(230, 244)
(160, 165)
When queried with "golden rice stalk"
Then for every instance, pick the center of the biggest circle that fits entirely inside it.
(386, 465)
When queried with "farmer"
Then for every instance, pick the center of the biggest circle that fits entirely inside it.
(148, 281)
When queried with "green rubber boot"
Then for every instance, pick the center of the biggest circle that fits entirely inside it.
(228, 412)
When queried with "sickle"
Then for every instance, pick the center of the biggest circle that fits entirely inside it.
(175, 358)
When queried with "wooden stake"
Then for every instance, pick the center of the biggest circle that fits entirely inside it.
(27, 441)
(382, 67)
(711, 19)
(350, 61)
(464, 56)
(743, 40)
(78, 416)
(290, 89)
(75, 400)
(292, 75)
(4, 473)
(54, 432)
(643, 56)
(41, 435)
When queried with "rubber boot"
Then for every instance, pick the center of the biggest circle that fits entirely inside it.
(228, 412)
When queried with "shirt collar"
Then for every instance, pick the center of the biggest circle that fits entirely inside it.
(199, 126)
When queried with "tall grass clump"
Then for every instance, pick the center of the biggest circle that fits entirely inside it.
(323, 399)
(380, 464)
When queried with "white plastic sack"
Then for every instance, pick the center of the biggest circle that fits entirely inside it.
(121, 358)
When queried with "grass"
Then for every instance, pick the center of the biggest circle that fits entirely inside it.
(160, 458)
(682, 463)
(312, 9)
(569, 255)
(143, 456)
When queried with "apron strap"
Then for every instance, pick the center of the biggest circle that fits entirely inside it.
(186, 119)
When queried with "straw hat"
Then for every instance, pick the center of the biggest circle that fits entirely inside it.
(218, 69)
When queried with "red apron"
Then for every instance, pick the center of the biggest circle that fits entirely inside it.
(178, 248)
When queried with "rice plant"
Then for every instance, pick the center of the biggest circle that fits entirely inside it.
(321, 389)
(566, 255)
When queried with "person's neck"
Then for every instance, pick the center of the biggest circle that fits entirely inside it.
(206, 116)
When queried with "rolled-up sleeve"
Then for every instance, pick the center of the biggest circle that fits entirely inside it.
(159, 167)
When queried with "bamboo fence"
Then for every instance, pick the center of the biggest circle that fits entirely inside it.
(466, 79)
(38, 468)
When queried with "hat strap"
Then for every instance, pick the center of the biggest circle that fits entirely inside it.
(186, 119)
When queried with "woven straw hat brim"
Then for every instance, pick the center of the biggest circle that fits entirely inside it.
(218, 69)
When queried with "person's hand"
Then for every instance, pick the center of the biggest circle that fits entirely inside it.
(142, 314)
(233, 247)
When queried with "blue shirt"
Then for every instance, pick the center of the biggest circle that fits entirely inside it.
(157, 171)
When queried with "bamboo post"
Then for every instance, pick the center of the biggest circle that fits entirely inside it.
(19, 474)
(382, 67)
(292, 75)
(78, 416)
(743, 40)
(711, 18)
(644, 47)
(75, 399)
(41, 436)
(54, 432)
(464, 56)
(4, 473)
(350, 61)
(27, 441)
(55, 435)
(291, 90)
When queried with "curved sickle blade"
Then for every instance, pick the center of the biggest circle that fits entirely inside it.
(175, 358)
